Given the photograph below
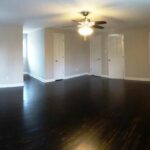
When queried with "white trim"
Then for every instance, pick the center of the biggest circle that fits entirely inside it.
(36, 77)
(77, 75)
(149, 51)
(113, 34)
(49, 80)
(11, 85)
(52, 80)
(25, 73)
(104, 76)
(39, 78)
(128, 78)
(137, 79)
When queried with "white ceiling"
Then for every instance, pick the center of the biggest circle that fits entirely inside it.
(35, 14)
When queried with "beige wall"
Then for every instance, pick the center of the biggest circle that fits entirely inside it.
(136, 52)
(36, 54)
(49, 53)
(77, 53)
(11, 60)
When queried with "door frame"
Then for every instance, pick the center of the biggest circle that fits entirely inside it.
(122, 36)
(91, 56)
(149, 51)
(54, 56)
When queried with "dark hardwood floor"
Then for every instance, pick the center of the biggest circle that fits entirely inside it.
(85, 113)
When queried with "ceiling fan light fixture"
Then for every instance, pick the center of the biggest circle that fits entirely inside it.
(85, 31)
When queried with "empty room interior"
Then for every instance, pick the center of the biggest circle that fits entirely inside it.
(74, 75)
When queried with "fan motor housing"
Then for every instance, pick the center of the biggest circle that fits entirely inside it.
(85, 13)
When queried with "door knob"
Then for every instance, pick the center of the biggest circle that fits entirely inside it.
(98, 59)
(109, 59)
(56, 60)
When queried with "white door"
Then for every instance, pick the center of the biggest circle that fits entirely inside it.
(59, 56)
(95, 55)
(116, 56)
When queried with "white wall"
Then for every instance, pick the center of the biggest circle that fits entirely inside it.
(36, 53)
(11, 59)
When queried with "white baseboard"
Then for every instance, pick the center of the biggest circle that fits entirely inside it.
(137, 79)
(77, 75)
(11, 85)
(36, 77)
(67, 77)
(52, 80)
(39, 78)
(25, 72)
(82, 74)
(104, 76)
(129, 78)
(107, 76)
(49, 80)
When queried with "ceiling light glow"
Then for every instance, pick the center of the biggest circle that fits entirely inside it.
(85, 31)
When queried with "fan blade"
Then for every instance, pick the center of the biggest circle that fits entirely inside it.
(98, 27)
(100, 22)
(69, 26)
(78, 21)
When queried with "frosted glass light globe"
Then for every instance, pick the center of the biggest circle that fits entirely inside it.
(85, 31)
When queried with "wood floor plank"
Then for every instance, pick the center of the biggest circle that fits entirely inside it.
(84, 113)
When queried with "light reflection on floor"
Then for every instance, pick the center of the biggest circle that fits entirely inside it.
(32, 113)
(25, 97)
(33, 92)
(85, 138)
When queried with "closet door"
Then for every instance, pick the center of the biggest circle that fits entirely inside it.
(59, 59)
(95, 55)
(116, 56)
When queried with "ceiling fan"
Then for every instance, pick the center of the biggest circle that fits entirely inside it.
(85, 25)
